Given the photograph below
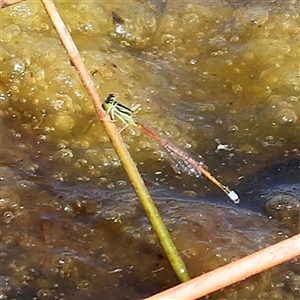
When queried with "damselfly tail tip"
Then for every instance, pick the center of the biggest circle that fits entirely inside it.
(234, 197)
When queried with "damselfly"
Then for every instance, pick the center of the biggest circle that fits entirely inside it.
(184, 161)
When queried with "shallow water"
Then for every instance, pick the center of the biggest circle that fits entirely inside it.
(72, 227)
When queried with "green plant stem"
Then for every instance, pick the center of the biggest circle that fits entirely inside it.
(150, 208)
(129, 165)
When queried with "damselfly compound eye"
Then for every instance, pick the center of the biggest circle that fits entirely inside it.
(110, 99)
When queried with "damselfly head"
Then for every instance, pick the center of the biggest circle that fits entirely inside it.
(111, 99)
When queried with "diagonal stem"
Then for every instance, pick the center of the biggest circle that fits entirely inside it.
(129, 165)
